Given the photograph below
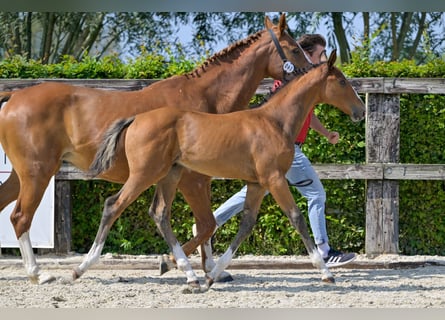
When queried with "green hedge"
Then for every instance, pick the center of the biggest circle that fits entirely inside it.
(422, 217)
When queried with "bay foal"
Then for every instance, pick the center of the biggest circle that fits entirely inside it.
(253, 145)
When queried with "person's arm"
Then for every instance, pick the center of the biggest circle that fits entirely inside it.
(316, 124)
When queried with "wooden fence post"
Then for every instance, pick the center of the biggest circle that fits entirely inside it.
(62, 218)
(62, 223)
(382, 196)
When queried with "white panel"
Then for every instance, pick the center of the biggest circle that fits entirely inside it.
(42, 227)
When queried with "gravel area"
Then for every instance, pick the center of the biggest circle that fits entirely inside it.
(387, 281)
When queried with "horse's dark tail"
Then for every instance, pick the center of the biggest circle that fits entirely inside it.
(104, 157)
(4, 97)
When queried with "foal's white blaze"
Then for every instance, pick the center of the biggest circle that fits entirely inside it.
(183, 263)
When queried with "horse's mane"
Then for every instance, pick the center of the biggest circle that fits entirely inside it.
(226, 52)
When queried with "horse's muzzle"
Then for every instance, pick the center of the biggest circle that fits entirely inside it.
(358, 114)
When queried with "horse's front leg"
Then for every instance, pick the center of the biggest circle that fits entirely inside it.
(160, 211)
(254, 196)
(282, 195)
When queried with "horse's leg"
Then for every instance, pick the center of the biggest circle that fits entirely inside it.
(282, 195)
(195, 188)
(30, 195)
(9, 190)
(205, 250)
(160, 211)
(113, 208)
(254, 196)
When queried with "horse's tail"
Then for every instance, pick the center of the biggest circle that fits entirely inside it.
(104, 157)
(4, 97)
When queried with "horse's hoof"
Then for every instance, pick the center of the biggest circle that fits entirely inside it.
(209, 282)
(165, 264)
(192, 287)
(34, 279)
(329, 280)
(224, 277)
(76, 274)
(65, 280)
(46, 278)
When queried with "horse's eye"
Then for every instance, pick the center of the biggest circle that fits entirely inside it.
(343, 82)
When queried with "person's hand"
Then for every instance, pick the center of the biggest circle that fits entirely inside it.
(333, 137)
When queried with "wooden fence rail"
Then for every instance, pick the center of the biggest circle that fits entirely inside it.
(382, 169)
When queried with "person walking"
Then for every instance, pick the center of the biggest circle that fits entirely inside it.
(301, 173)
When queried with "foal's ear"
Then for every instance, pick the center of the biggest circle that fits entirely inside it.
(282, 25)
(332, 58)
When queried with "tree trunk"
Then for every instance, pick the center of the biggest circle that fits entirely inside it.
(395, 48)
(406, 24)
(420, 31)
(94, 33)
(74, 29)
(17, 39)
(345, 52)
(366, 26)
(48, 29)
(28, 35)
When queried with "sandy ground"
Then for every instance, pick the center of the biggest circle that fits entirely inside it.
(387, 281)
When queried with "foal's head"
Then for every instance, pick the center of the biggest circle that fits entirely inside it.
(287, 59)
(339, 92)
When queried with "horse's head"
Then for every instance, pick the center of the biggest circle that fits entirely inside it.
(339, 91)
(287, 59)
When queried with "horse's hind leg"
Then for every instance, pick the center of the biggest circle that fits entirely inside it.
(160, 211)
(282, 195)
(109, 215)
(9, 190)
(195, 188)
(30, 195)
(113, 208)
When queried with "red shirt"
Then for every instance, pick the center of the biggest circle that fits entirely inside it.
(301, 136)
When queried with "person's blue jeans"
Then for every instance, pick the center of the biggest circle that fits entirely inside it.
(302, 175)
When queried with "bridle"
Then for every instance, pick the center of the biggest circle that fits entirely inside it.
(289, 69)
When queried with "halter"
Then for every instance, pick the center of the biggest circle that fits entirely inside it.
(289, 68)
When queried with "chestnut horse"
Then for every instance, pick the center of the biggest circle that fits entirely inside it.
(253, 145)
(43, 125)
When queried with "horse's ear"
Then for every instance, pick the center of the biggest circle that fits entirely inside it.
(332, 58)
(267, 23)
(282, 25)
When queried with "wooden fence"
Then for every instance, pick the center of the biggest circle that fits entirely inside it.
(382, 170)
